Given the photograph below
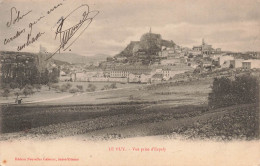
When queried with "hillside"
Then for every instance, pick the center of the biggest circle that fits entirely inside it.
(149, 44)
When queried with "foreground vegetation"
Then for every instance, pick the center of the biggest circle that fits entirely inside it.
(236, 122)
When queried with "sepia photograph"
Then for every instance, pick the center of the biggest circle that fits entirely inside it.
(120, 82)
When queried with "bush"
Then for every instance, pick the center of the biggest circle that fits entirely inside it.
(80, 87)
(17, 93)
(73, 90)
(6, 93)
(65, 87)
(106, 87)
(37, 86)
(113, 86)
(13, 85)
(68, 85)
(56, 87)
(91, 88)
(28, 90)
(227, 92)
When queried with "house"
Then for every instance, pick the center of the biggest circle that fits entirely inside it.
(81, 76)
(203, 48)
(134, 78)
(223, 59)
(119, 73)
(166, 52)
(64, 77)
(251, 64)
(125, 71)
(236, 63)
(206, 49)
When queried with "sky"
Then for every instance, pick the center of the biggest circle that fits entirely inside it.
(232, 25)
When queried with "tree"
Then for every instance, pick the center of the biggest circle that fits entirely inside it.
(45, 77)
(226, 92)
(14, 85)
(54, 75)
(6, 93)
(28, 90)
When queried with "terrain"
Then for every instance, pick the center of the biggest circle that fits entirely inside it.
(169, 109)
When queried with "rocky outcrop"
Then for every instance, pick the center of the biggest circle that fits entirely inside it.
(149, 44)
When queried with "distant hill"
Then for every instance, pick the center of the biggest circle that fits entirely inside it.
(58, 62)
(77, 59)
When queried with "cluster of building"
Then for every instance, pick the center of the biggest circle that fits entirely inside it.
(216, 57)
(173, 60)
(126, 74)
(205, 49)
(231, 62)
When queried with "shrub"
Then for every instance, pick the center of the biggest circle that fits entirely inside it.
(37, 86)
(113, 86)
(91, 88)
(68, 85)
(106, 87)
(6, 93)
(28, 90)
(56, 87)
(13, 85)
(80, 87)
(65, 87)
(73, 90)
(17, 93)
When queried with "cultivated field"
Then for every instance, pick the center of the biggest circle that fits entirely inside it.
(107, 121)
(171, 109)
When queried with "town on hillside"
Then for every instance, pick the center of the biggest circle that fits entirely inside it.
(150, 60)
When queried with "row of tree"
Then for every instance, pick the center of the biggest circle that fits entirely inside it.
(241, 90)
(18, 76)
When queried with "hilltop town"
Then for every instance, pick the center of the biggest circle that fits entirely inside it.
(150, 60)
(153, 59)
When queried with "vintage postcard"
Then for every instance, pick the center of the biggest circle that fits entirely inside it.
(129, 82)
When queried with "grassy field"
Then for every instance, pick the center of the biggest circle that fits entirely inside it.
(131, 110)
(45, 95)
(129, 120)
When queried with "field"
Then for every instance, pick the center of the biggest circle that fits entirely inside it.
(128, 120)
(170, 109)
(56, 96)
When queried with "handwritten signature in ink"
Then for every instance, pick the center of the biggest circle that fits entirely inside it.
(67, 34)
